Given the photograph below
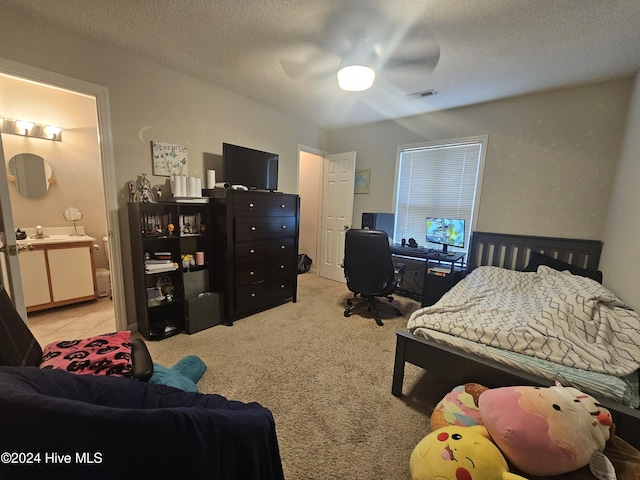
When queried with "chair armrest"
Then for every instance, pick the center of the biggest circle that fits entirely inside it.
(141, 360)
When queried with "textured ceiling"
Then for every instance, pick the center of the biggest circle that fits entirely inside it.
(284, 53)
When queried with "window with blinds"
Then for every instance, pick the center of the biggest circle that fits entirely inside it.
(440, 179)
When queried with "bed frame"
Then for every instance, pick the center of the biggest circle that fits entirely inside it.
(507, 251)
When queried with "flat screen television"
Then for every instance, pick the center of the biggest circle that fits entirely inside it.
(254, 169)
(446, 232)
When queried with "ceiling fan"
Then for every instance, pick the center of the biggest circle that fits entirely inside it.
(366, 45)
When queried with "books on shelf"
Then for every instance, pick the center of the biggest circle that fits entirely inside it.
(188, 200)
(158, 266)
(439, 271)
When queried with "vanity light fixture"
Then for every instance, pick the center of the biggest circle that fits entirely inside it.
(23, 126)
(30, 129)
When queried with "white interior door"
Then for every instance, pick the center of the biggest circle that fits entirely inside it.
(337, 212)
(9, 267)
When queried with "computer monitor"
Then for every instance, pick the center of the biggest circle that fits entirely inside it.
(446, 232)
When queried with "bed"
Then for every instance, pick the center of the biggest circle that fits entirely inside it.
(461, 360)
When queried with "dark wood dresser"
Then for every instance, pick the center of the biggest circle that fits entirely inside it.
(255, 248)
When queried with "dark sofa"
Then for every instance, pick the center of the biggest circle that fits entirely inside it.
(82, 426)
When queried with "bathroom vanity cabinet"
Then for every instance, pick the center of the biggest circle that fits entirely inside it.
(56, 273)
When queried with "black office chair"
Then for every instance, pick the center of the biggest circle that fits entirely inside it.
(369, 271)
(19, 348)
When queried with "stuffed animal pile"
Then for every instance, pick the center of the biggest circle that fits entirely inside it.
(476, 432)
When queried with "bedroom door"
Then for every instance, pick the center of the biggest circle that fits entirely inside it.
(9, 268)
(337, 212)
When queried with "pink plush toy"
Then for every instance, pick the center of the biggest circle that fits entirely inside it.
(545, 431)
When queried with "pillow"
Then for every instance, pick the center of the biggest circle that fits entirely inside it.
(458, 407)
(545, 431)
(538, 259)
(182, 375)
(108, 354)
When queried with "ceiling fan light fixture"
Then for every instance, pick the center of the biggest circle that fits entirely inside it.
(356, 78)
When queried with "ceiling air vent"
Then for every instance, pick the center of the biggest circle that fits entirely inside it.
(419, 95)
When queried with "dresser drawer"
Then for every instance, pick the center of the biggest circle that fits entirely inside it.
(265, 271)
(249, 229)
(264, 204)
(271, 292)
(250, 253)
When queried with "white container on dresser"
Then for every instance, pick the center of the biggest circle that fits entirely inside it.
(58, 269)
(256, 248)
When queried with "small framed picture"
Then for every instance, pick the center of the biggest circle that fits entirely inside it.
(168, 159)
(362, 180)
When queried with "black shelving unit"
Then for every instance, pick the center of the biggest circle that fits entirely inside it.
(164, 240)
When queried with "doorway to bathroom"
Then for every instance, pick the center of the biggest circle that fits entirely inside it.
(78, 170)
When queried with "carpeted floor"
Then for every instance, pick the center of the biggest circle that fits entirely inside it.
(326, 378)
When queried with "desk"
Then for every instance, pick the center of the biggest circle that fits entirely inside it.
(430, 255)
(434, 285)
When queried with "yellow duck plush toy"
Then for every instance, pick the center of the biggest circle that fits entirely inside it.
(459, 453)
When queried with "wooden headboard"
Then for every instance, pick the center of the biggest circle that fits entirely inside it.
(513, 251)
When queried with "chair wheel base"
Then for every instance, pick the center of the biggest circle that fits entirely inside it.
(372, 305)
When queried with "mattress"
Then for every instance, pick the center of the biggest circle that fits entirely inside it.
(553, 324)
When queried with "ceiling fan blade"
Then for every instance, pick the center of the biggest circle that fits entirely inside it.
(308, 62)
(359, 34)
(420, 64)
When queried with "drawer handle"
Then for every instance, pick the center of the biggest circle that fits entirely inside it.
(253, 295)
(284, 227)
(252, 273)
(281, 266)
(283, 205)
(282, 247)
(251, 205)
(253, 229)
(282, 286)
(252, 251)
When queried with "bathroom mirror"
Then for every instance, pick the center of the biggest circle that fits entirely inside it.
(72, 214)
(32, 174)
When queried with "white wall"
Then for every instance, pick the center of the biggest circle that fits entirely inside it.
(621, 251)
(142, 93)
(550, 162)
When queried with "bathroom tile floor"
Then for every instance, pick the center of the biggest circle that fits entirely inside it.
(71, 322)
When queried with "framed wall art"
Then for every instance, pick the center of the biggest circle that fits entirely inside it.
(362, 180)
(168, 159)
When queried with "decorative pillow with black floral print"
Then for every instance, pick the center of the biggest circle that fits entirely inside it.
(107, 354)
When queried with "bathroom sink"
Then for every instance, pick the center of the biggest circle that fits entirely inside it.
(50, 239)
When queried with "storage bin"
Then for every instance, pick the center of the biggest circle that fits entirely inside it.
(202, 311)
(195, 282)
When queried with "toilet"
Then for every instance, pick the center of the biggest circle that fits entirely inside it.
(103, 276)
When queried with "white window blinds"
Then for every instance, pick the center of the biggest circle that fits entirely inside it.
(437, 180)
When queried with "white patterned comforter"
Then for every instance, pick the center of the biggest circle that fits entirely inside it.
(555, 316)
